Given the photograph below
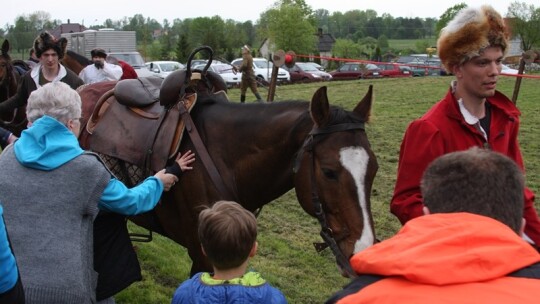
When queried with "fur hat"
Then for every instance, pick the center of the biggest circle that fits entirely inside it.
(471, 30)
(46, 41)
(98, 53)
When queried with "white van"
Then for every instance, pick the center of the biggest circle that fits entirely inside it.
(263, 70)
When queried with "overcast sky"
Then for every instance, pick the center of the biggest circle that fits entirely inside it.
(95, 12)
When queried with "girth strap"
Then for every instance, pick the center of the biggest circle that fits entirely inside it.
(202, 152)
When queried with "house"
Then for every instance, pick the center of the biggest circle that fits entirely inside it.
(67, 28)
(325, 45)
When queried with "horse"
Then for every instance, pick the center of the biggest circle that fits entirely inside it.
(9, 79)
(262, 151)
(74, 61)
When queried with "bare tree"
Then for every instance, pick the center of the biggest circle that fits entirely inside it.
(525, 23)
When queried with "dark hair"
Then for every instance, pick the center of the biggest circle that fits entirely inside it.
(478, 181)
(227, 233)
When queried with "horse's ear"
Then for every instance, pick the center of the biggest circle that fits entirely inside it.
(363, 108)
(62, 43)
(319, 107)
(5, 47)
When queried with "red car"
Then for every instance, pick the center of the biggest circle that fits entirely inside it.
(356, 70)
(394, 70)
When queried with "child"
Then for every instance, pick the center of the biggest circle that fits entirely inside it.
(228, 235)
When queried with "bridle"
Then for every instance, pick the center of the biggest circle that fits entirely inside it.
(327, 234)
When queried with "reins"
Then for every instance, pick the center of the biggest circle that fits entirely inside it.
(326, 233)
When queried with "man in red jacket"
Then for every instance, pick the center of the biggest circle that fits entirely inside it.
(472, 113)
(467, 248)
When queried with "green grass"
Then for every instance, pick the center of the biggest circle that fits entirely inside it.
(286, 256)
(409, 44)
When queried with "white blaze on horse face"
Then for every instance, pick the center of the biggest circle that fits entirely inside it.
(355, 160)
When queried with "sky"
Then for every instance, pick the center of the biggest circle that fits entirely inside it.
(95, 12)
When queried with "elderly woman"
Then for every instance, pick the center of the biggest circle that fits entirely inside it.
(52, 191)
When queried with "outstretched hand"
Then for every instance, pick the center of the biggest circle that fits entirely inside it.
(185, 160)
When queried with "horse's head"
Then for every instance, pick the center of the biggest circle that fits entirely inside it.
(5, 62)
(334, 174)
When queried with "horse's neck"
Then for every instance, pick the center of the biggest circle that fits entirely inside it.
(8, 85)
(260, 146)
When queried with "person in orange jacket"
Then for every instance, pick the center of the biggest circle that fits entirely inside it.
(466, 249)
(472, 113)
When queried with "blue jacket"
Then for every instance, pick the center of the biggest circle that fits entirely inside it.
(250, 288)
(8, 267)
(48, 144)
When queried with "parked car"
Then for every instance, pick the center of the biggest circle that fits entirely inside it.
(508, 70)
(162, 69)
(356, 70)
(394, 70)
(263, 70)
(435, 68)
(418, 70)
(316, 65)
(305, 72)
(225, 71)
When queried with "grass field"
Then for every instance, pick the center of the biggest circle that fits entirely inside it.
(286, 256)
(409, 44)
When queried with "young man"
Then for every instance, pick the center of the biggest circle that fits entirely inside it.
(228, 235)
(466, 249)
(101, 70)
(50, 51)
(472, 113)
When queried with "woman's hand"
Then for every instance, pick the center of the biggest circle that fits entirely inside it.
(167, 179)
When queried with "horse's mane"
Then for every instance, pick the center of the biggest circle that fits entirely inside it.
(338, 115)
(79, 58)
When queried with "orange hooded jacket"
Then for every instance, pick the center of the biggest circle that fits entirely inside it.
(448, 258)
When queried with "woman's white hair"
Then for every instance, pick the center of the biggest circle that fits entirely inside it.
(57, 100)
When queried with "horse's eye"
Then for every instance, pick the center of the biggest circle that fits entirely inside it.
(329, 174)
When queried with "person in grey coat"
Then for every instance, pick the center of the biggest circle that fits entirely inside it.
(52, 191)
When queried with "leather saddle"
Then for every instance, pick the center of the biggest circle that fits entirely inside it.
(139, 121)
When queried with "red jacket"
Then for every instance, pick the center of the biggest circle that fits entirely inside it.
(443, 130)
(448, 258)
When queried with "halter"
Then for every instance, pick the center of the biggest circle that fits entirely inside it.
(326, 232)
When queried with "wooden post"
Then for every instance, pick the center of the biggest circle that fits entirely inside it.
(272, 85)
(517, 85)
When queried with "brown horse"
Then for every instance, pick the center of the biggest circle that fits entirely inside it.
(9, 78)
(74, 61)
(255, 148)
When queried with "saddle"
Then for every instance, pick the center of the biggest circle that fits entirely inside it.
(128, 123)
(132, 123)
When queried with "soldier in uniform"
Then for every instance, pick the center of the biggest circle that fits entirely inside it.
(248, 77)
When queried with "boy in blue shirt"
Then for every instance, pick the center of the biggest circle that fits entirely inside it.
(228, 235)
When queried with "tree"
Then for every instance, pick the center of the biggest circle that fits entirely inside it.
(289, 28)
(182, 49)
(448, 15)
(345, 48)
(525, 23)
(26, 29)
